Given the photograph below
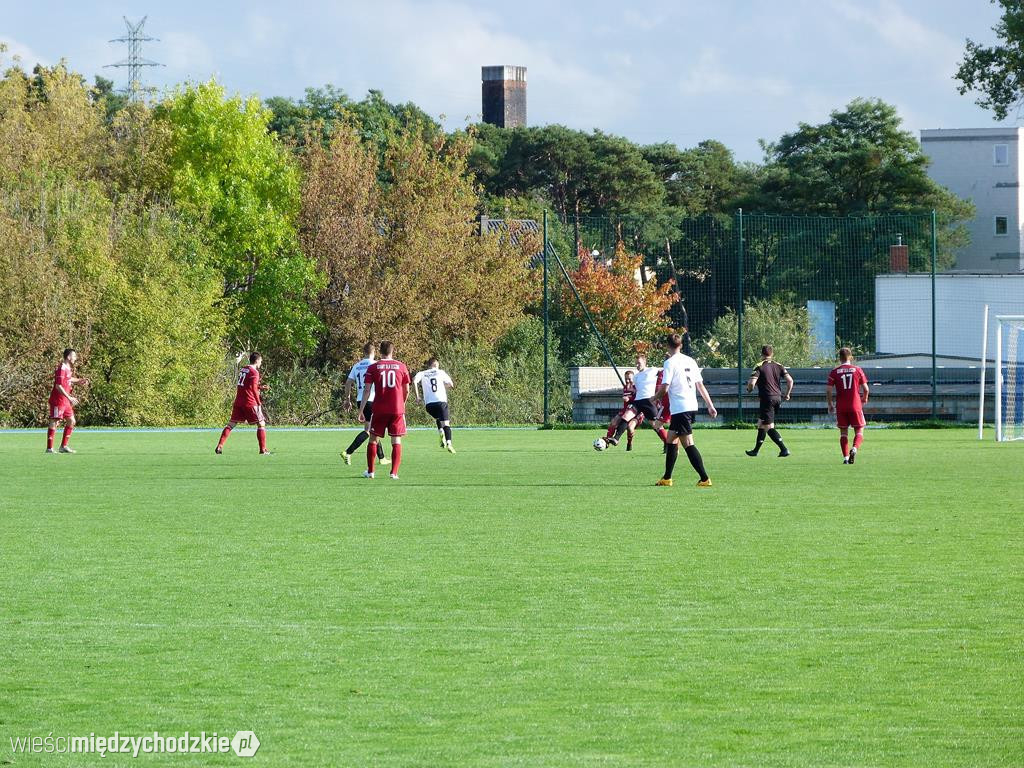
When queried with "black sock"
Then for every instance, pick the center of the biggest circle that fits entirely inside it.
(380, 450)
(447, 433)
(776, 438)
(696, 461)
(619, 430)
(361, 438)
(760, 439)
(671, 454)
(439, 424)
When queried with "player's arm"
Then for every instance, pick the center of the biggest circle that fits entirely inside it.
(71, 398)
(830, 396)
(753, 379)
(789, 383)
(367, 387)
(348, 392)
(416, 386)
(712, 411)
(865, 391)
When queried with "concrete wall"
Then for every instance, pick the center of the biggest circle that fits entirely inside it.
(903, 312)
(963, 161)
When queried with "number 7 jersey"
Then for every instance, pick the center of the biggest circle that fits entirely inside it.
(847, 380)
(390, 382)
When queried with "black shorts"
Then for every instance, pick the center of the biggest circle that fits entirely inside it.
(682, 423)
(368, 411)
(438, 410)
(647, 407)
(767, 409)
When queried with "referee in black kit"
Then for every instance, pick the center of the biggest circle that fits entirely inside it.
(768, 376)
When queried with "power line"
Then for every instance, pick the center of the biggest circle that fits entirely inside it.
(135, 61)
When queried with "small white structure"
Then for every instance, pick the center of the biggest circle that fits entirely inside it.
(985, 166)
(903, 312)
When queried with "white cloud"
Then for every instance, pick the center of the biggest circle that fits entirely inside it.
(17, 51)
(710, 76)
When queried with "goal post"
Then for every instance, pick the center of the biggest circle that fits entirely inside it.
(1009, 374)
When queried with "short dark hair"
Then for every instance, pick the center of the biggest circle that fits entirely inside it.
(254, 357)
(627, 374)
(386, 348)
(432, 361)
(845, 354)
(767, 350)
(68, 351)
(369, 348)
(674, 340)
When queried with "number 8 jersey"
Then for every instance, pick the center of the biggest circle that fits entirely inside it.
(390, 382)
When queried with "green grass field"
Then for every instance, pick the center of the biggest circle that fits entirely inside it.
(527, 602)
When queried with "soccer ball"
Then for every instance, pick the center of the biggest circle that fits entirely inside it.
(600, 444)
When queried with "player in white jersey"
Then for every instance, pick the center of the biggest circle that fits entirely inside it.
(645, 382)
(681, 380)
(357, 377)
(435, 384)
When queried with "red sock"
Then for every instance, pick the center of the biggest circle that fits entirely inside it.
(371, 455)
(663, 434)
(857, 440)
(610, 433)
(261, 438)
(49, 438)
(67, 436)
(629, 438)
(223, 436)
(396, 458)
(845, 445)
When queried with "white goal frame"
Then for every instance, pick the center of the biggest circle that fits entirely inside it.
(999, 371)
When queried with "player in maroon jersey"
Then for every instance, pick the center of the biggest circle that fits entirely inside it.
(628, 396)
(846, 392)
(248, 405)
(62, 403)
(389, 381)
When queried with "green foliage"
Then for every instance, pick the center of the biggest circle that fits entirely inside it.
(787, 327)
(226, 174)
(995, 72)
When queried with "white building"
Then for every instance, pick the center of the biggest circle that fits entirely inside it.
(985, 166)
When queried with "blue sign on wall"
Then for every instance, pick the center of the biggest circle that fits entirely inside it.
(823, 328)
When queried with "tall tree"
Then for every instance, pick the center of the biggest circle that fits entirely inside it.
(996, 72)
(227, 173)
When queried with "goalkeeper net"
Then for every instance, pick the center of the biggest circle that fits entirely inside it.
(1010, 378)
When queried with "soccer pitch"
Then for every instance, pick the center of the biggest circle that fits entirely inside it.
(525, 602)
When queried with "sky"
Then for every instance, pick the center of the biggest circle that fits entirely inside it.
(733, 70)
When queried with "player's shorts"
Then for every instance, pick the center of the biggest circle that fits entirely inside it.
(61, 409)
(850, 417)
(646, 408)
(383, 424)
(682, 423)
(248, 414)
(767, 409)
(438, 410)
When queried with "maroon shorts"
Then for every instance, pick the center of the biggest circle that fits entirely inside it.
(850, 417)
(249, 414)
(387, 423)
(61, 409)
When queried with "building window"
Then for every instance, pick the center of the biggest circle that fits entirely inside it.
(1002, 225)
(1001, 154)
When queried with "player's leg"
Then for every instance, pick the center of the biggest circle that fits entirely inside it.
(69, 427)
(762, 431)
(844, 443)
(396, 455)
(51, 430)
(625, 416)
(858, 438)
(613, 424)
(224, 433)
(377, 430)
(261, 432)
(446, 427)
(630, 431)
(362, 437)
(671, 454)
(696, 460)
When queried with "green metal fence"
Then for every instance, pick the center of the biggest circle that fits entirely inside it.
(749, 279)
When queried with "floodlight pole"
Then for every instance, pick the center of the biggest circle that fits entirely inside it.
(984, 366)
(739, 317)
(935, 405)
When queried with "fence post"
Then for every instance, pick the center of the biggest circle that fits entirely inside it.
(547, 323)
(739, 316)
(935, 405)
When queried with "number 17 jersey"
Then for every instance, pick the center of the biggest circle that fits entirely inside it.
(389, 379)
(847, 380)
